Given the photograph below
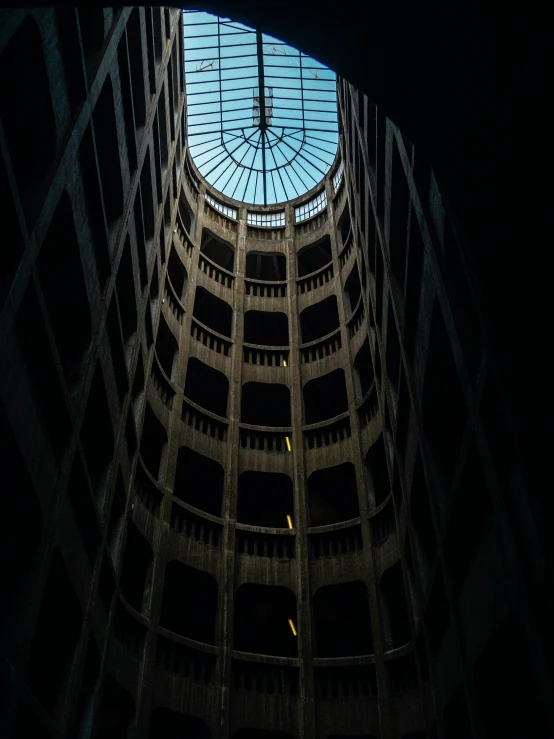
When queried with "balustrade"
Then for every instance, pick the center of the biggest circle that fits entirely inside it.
(321, 348)
(336, 542)
(173, 302)
(201, 420)
(266, 441)
(147, 489)
(316, 279)
(275, 357)
(195, 526)
(383, 522)
(356, 681)
(265, 678)
(258, 544)
(330, 433)
(210, 338)
(356, 320)
(215, 272)
(368, 407)
(183, 660)
(161, 383)
(265, 289)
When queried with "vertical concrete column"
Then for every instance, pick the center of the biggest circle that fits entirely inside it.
(306, 705)
(224, 637)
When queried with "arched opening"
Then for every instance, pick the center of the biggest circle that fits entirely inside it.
(207, 387)
(189, 602)
(212, 312)
(341, 620)
(325, 397)
(263, 265)
(265, 499)
(314, 257)
(199, 481)
(262, 620)
(319, 320)
(266, 328)
(333, 495)
(217, 250)
(265, 404)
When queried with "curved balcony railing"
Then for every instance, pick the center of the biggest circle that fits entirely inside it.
(368, 407)
(320, 348)
(336, 539)
(356, 319)
(173, 302)
(316, 279)
(196, 524)
(266, 356)
(265, 288)
(347, 680)
(185, 657)
(325, 433)
(383, 521)
(147, 489)
(202, 420)
(210, 338)
(347, 248)
(262, 542)
(183, 236)
(215, 271)
(277, 677)
(265, 438)
(161, 382)
(129, 627)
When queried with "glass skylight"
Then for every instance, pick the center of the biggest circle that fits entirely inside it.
(262, 116)
(311, 208)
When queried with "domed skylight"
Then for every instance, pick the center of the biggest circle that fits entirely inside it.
(262, 116)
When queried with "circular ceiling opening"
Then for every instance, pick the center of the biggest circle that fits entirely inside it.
(261, 115)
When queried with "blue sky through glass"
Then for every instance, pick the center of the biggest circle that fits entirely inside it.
(261, 116)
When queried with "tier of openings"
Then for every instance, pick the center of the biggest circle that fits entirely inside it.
(266, 328)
